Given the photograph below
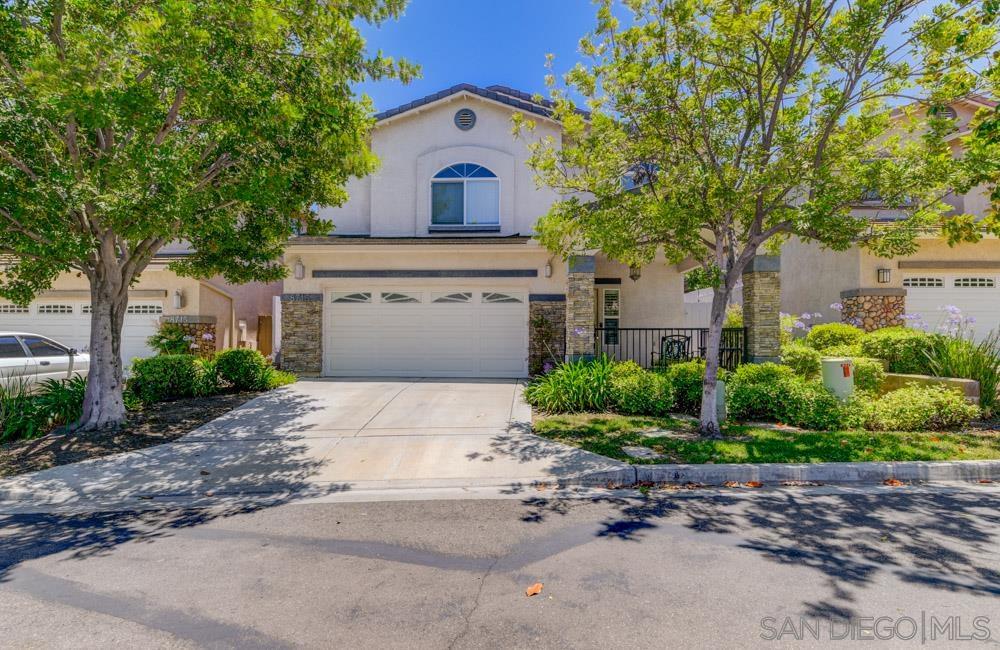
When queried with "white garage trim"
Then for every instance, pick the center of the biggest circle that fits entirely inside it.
(392, 331)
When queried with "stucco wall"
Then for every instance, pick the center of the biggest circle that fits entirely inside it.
(395, 200)
(250, 300)
(656, 299)
(214, 302)
(157, 279)
(812, 277)
(938, 250)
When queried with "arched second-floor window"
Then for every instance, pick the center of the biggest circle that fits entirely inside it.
(465, 194)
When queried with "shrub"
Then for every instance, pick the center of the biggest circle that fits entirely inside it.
(166, 377)
(828, 335)
(61, 401)
(207, 378)
(868, 374)
(850, 351)
(244, 368)
(19, 413)
(915, 407)
(964, 359)
(774, 392)
(573, 387)
(734, 316)
(902, 348)
(635, 391)
(276, 378)
(686, 379)
(170, 339)
(802, 359)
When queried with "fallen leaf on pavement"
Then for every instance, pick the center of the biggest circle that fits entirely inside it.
(533, 590)
(753, 484)
(894, 482)
(985, 480)
(731, 484)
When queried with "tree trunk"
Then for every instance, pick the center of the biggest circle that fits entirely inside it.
(103, 405)
(709, 425)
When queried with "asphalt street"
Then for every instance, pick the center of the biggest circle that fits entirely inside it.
(703, 568)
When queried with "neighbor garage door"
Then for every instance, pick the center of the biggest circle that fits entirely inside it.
(426, 333)
(977, 296)
(68, 322)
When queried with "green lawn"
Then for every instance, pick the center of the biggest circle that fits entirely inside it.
(606, 434)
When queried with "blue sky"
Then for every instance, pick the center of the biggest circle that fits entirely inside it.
(481, 42)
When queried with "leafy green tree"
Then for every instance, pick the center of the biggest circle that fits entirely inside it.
(128, 124)
(720, 128)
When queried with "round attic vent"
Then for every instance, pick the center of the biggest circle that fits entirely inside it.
(465, 119)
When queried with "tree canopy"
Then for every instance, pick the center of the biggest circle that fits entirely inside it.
(719, 128)
(128, 124)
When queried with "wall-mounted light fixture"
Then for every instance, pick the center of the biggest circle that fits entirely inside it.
(634, 272)
(884, 276)
(300, 269)
(548, 270)
(178, 299)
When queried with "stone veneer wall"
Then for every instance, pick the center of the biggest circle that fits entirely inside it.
(302, 333)
(580, 307)
(762, 309)
(547, 331)
(872, 309)
(201, 329)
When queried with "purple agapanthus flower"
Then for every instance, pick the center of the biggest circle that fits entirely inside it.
(799, 325)
(806, 316)
(816, 314)
(579, 331)
(208, 336)
(837, 306)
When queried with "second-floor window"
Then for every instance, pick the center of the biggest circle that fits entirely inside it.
(465, 194)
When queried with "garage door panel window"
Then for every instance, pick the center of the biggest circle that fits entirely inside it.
(923, 282)
(10, 348)
(9, 308)
(55, 309)
(974, 283)
(462, 297)
(351, 297)
(144, 309)
(500, 298)
(393, 297)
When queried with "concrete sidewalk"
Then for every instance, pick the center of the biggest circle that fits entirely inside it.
(319, 437)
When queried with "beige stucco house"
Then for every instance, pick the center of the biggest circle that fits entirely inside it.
(204, 307)
(431, 269)
(877, 292)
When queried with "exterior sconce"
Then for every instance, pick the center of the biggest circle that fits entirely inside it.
(884, 276)
(300, 269)
(548, 270)
(634, 272)
(178, 299)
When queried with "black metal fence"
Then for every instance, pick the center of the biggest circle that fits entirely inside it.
(653, 347)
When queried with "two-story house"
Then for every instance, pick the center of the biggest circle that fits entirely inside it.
(431, 269)
(876, 292)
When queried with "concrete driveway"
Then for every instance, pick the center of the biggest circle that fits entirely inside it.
(319, 437)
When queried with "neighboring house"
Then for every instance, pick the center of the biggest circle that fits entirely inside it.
(431, 269)
(877, 292)
(203, 307)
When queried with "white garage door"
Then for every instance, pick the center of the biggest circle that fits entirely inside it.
(426, 333)
(68, 322)
(976, 295)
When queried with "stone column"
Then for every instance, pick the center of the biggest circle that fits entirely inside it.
(580, 307)
(302, 333)
(762, 309)
(547, 330)
(872, 309)
(200, 329)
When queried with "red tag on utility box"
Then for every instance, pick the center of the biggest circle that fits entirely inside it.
(847, 369)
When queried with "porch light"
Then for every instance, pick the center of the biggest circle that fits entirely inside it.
(178, 299)
(300, 269)
(548, 270)
(634, 272)
(884, 276)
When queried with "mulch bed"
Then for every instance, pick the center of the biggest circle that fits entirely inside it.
(153, 425)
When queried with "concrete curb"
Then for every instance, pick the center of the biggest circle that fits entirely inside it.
(873, 472)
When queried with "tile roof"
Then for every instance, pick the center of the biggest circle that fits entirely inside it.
(514, 98)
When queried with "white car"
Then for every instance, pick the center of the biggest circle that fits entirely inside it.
(31, 359)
